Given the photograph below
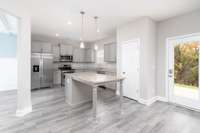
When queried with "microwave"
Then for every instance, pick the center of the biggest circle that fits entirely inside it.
(66, 58)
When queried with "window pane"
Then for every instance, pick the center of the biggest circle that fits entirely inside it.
(186, 67)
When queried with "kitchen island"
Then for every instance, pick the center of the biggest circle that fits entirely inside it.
(82, 87)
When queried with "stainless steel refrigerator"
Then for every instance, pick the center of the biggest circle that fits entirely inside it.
(42, 70)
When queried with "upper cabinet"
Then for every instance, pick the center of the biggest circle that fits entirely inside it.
(110, 52)
(56, 52)
(89, 55)
(66, 49)
(37, 47)
(84, 55)
(78, 55)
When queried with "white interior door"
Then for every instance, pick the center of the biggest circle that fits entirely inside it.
(183, 71)
(130, 64)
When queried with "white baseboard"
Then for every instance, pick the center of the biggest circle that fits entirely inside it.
(162, 99)
(149, 102)
(23, 112)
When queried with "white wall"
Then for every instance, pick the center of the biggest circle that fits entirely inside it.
(53, 40)
(144, 29)
(23, 54)
(182, 25)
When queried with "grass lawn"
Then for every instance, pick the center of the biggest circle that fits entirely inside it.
(186, 86)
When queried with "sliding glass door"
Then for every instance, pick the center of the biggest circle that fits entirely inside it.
(183, 70)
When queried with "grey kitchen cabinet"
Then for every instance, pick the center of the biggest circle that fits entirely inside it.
(37, 47)
(111, 85)
(89, 55)
(110, 52)
(106, 53)
(56, 52)
(57, 77)
(78, 55)
(84, 55)
(66, 49)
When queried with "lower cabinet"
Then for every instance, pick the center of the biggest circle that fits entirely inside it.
(57, 77)
(111, 85)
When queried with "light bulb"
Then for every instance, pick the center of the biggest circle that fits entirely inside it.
(95, 47)
(82, 45)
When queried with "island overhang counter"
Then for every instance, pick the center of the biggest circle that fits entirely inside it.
(82, 87)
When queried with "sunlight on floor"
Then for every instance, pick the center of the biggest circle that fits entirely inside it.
(186, 92)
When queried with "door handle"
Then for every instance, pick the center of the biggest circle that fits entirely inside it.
(170, 76)
(170, 73)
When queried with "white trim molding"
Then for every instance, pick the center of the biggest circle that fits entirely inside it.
(167, 88)
(149, 102)
(23, 112)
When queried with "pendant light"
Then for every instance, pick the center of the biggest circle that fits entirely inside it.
(82, 45)
(96, 30)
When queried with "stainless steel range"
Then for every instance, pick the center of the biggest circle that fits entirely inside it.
(65, 69)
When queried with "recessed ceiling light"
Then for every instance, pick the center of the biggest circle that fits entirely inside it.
(98, 30)
(57, 35)
(69, 22)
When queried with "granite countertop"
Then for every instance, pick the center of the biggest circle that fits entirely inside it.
(93, 78)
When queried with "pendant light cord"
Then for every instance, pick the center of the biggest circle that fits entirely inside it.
(96, 24)
(96, 32)
(82, 24)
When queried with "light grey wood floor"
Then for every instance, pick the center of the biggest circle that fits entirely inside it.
(52, 115)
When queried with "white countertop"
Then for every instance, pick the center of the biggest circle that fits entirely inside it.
(93, 78)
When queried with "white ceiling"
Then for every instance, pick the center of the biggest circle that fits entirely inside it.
(51, 16)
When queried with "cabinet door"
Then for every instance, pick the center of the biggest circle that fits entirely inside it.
(111, 85)
(69, 50)
(46, 48)
(112, 52)
(57, 77)
(66, 49)
(106, 53)
(81, 55)
(109, 52)
(56, 52)
(63, 49)
(75, 55)
(89, 55)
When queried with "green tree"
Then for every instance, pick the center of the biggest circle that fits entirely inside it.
(186, 63)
